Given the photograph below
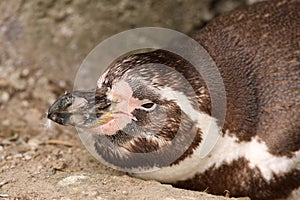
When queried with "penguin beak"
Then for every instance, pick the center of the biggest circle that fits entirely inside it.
(81, 108)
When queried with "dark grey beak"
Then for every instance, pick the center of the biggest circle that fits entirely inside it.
(79, 108)
(58, 111)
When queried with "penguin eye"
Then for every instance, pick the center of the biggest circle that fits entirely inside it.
(148, 106)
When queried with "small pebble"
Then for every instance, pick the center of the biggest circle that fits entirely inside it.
(18, 155)
(62, 84)
(27, 157)
(50, 171)
(70, 151)
(34, 143)
(6, 142)
(13, 166)
(31, 81)
(71, 180)
(25, 104)
(25, 72)
(4, 97)
(6, 123)
(20, 86)
(4, 83)
(39, 167)
(39, 73)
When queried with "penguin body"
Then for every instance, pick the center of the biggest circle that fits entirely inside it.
(145, 117)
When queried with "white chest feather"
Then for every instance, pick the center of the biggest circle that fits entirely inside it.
(225, 151)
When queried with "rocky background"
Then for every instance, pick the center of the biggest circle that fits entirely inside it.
(42, 44)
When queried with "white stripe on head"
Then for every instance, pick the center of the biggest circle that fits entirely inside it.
(205, 122)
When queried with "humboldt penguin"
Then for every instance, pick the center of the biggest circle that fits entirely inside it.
(154, 119)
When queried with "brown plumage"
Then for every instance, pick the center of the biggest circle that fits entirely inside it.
(257, 49)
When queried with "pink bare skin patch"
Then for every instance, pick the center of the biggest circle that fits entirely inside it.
(120, 111)
(119, 121)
